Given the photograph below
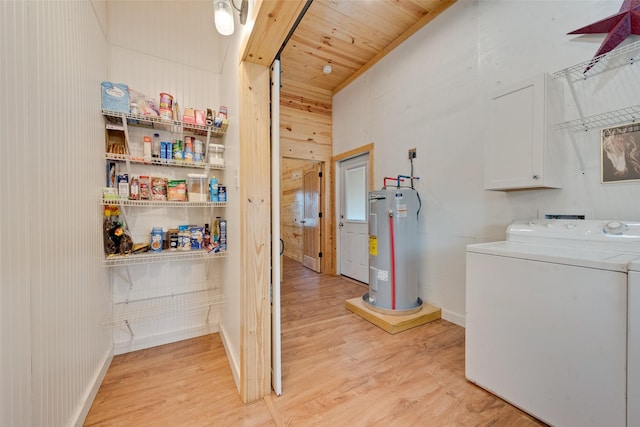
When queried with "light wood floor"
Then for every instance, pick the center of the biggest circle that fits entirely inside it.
(338, 370)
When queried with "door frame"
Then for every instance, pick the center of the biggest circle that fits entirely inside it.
(335, 194)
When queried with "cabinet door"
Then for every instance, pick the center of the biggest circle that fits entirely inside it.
(516, 147)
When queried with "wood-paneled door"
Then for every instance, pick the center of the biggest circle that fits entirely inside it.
(311, 223)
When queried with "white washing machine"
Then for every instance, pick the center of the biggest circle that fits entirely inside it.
(633, 343)
(546, 319)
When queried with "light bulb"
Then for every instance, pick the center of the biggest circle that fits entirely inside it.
(223, 17)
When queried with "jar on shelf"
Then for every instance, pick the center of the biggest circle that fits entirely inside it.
(216, 152)
(197, 187)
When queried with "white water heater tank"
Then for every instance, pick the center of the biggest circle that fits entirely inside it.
(393, 250)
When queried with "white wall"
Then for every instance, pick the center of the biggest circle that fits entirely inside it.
(172, 47)
(431, 93)
(230, 322)
(53, 290)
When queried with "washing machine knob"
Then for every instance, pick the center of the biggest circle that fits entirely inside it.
(615, 227)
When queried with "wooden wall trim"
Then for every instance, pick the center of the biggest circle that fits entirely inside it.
(363, 149)
(255, 223)
(272, 21)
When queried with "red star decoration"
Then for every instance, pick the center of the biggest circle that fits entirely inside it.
(619, 27)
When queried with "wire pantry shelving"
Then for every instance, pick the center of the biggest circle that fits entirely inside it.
(164, 256)
(160, 162)
(152, 121)
(156, 307)
(162, 203)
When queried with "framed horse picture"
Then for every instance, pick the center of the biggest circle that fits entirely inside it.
(620, 151)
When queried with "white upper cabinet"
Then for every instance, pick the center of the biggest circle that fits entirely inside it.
(522, 148)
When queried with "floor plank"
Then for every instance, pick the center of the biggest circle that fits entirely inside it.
(338, 370)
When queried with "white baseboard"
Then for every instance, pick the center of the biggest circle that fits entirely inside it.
(83, 411)
(233, 360)
(454, 318)
(155, 340)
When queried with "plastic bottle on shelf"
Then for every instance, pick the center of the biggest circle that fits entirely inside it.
(216, 231)
(213, 189)
(222, 224)
(207, 236)
(155, 147)
(134, 190)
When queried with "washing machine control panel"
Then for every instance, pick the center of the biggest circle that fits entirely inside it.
(601, 234)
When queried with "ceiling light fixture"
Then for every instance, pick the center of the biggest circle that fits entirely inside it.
(327, 69)
(223, 15)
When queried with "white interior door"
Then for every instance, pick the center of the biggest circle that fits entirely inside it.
(276, 358)
(353, 218)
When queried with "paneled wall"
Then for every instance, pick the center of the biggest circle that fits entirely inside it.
(291, 207)
(305, 134)
(174, 48)
(53, 290)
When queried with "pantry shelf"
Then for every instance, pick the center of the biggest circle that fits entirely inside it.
(162, 203)
(607, 119)
(157, 257)
(619, 57)
(153, 121)
(159, 162)
(152, 308)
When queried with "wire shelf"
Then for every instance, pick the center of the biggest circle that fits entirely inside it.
(160, 162)
(162, 203)
(151, 121)
(618, 57)
(608, 119)
(160, 257)
(152, 308)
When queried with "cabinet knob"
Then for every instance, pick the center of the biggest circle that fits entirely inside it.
(536, 177)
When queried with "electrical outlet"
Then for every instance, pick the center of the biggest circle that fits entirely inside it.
(412, 153)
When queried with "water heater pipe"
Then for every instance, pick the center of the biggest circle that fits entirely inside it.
(408, 177)
(393, 263)
(387, 178)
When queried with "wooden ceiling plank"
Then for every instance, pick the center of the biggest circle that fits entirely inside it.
(315, 60)
(363, 17)
(317, 32)
(311, 76)
(319, 57)
(444, 4)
